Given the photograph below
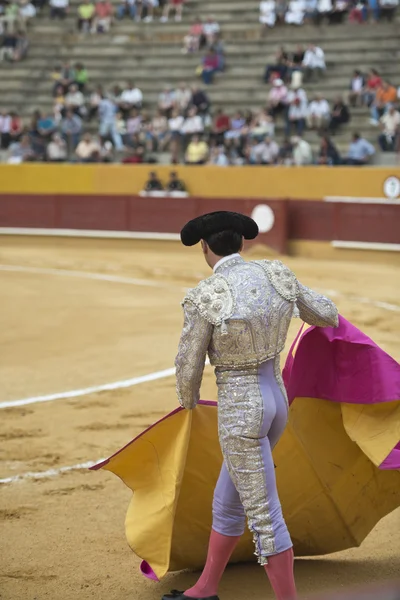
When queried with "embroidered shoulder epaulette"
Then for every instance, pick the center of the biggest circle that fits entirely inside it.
(282, 278)
(213, 298)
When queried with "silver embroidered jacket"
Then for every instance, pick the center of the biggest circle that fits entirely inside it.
(240, 316)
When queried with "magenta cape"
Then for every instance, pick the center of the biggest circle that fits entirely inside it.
(343, 365)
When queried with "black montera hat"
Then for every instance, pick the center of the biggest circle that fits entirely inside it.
(223, 220)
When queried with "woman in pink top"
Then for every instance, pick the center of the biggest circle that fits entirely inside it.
(193, 41)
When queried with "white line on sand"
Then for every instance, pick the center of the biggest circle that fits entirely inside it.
(88, 275)
(116, 385)
(50, 472)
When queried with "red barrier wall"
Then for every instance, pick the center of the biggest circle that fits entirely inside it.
(294, 219)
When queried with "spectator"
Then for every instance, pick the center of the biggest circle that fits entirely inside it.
(302, 153)
(285, 156)
(297, 58)
(266, 152)
(160, 131)
(388, 9)
(21, 49)
(267, 15)
(324, 10)
(166, 101)
(88, 150)
(58, 9)
(21, 151)
(11, 16)
(177, 6)
(218, 157)
(46, 126)
(134, 156)
(262, 125)
(219, 50)
(360, 151)
(194, 40)
(340, 115)
(210, 30)
(193, 123)
(295, 12)
(220, 126)
(127, 7)
(5, 127)
(76, 100)
(339, 11)
(153, 184)
(81, 77)
(27, 12)
(359, 13)
(210, 67)
(183, 97)
(94, 101)
(373, 83)
(357, 84)
(390, 125)
(281, 8)
(147, 8)
(328, 153)
(386, 94)
(200, 100)
(16, 127)
(107, 127)
(86, 12)
(131, 97)
(279, 69)
(237, 124)
(71, 129)
(196, 152)
(175, 125)
(311, 13)
(374, 10)
(103, 15)
(277, 98)
(56, 151)
(67, 76)
(175, 184)
(297, 113)
(318, 115)
(314, 63)
(9, 46)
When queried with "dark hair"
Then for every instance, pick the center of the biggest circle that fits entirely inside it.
(224, 243)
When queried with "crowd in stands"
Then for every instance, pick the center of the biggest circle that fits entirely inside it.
(299, 12)
(184, 123)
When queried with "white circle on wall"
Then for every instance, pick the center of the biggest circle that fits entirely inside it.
(391, 187)
(264, 216)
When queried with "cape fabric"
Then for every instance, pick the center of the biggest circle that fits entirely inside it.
(337, 463)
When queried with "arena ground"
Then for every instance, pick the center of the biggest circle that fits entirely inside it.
(79, 313)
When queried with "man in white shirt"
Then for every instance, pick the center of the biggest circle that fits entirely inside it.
(27, 11)
(390, 125)
(88, 150)
(267, 14)
(131, 97)
(388, 9)
(295, 12)
(58, 9)
(76, 100)
(314, 63)
(211, 29)
(297, 113)
(318, 114)
(183, 95)
(192, 124)
(302, 153)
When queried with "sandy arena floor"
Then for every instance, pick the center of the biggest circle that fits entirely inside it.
(62, 537)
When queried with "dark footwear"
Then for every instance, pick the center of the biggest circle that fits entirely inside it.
(175, 595)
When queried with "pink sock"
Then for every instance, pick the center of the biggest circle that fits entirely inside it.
(281, 576)
(220, 549)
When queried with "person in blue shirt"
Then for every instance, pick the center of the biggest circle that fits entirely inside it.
(360, 151)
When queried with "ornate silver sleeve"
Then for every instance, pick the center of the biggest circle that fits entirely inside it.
(316, 309)
(189, 363)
